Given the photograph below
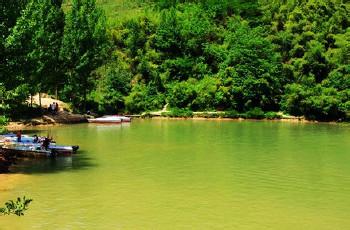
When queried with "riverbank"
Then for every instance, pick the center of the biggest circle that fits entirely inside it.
(231, 116)
(61, 117)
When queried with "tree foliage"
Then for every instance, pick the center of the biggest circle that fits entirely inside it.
(84, 48)
(244, 56)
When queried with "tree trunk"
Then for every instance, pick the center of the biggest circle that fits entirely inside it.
(40, 99)
(85, 99)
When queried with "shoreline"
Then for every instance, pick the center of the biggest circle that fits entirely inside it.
(47, 120)
(287, 120)
(16, 125)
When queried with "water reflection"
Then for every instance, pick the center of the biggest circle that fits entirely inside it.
(53, 165)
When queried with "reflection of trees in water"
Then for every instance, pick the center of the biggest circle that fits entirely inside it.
(53, 165)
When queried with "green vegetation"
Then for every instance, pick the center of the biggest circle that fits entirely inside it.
(17, 207)
(252, 57)
(3, 123)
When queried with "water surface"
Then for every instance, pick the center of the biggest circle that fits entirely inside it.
(159, 174)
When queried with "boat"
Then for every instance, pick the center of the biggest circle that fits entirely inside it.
(36, 150)
(25, 151)
(29, 148)
(106, 120)
(110, 119)
(63, 150)
(123, 118)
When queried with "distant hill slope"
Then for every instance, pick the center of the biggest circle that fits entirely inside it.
(117, 10)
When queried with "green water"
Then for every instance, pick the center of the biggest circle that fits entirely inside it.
(159, 174)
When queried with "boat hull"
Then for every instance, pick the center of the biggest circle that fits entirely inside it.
(104, 121)
(27, 153)
(36, 151)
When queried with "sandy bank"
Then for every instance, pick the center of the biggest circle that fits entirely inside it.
(61, 117)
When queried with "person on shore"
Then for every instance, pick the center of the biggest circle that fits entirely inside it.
(19, 136)
(36, 139)
(46, 143)
(56, 108)
(53, 108)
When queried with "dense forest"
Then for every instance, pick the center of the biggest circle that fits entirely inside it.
(253, 56)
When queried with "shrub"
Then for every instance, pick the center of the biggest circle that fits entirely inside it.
(231, 114)
(272, 115)
(256, 113)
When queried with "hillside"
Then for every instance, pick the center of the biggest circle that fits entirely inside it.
(242, 56)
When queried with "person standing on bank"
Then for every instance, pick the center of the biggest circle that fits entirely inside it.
(19, 136)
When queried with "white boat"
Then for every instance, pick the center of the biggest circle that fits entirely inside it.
(123, 118)
(106, 120)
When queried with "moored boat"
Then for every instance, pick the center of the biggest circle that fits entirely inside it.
(34, 147)
(123, 118)
(106, 120)
(24, 151)
(36, 150)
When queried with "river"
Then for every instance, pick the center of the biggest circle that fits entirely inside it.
(188, 174)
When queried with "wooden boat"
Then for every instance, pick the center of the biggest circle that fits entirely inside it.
(106, 120)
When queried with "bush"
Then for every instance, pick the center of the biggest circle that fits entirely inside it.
(272, 115)
(256, 113)
(144, 98)
(231, 114)
(315, 102)
(181, 94)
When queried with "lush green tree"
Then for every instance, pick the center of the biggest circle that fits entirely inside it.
(144, 97)
(251, 66)
(9, 12)
(181, 94)
(85, 46)
(313, 39)
(112, 86)
(35, 42)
